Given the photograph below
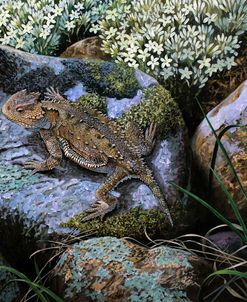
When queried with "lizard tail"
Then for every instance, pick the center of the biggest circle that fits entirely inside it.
(149, 180)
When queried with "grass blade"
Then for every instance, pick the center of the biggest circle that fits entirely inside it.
(233, 206)
(38, 289)
(214, 156)
(224, 152)
(212, 209)
(227, 272)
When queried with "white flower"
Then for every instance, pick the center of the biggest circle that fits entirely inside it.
(211, 69)
(57, 11)
(17, 5)
(150, 45)
(133, 63)
(95, 28)
(110, 33)
(185, 73)
(210, 18)
(128, 56)
(44, 33)
(27, 28)
(165, 61)
(143, 54)
(124, 25)
(6, 39)
(153, 62)
(205, 62)
(158, 48)
(79, 6)
(230, 62)
(167, 72)
(70, 25)
(74, 15)
(19, 43)
(112, 14)
(165, 20)
(182, 37)
(49, 19)
(4, 18)
(132, 49)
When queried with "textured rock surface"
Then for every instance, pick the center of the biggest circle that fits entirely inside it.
(46, 200)
(11, 292)
(232, 111)
(111, 269)
(229, 242)
(88, 48)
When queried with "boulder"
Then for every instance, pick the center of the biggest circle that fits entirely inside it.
(232, 111)
(229, 242)
(47, 203)
(111, 269)
(88, 48)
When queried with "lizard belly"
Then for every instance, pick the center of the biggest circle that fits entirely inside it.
(71, 154)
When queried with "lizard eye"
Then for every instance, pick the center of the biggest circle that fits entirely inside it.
(19, 109)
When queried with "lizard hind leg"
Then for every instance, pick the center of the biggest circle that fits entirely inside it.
(149, 180)
(106, 202)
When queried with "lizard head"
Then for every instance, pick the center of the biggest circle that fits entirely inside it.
(24, 109)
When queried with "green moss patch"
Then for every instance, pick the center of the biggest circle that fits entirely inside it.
(115, 79)
(157, 106)
(92, 100)
(131, 223)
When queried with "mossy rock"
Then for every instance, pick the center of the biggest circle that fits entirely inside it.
(45, 202)
(133, 223)
(92, 100)
(156, 106)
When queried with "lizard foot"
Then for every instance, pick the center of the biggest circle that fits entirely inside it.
(53, 94)
(34, 165)
(99, 209)
(150, 134)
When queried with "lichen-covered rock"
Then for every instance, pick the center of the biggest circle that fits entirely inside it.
(232, 111)
(46, 201)
(9, 291)
(89, 48)
(111, 269)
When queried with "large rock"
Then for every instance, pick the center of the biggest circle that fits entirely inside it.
(232, 111)
(89, 48)
(43, 201)
(111, 269)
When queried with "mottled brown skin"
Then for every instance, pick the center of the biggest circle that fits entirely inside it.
(90, 139)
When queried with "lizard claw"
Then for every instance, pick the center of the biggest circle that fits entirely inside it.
(99, 209)
(53, 94)
(150, 133)
(34, 165)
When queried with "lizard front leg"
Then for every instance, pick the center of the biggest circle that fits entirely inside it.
(106, 203)
(54, 150)
(145, 142)
(53, 94)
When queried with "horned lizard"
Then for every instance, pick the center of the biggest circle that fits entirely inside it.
(90, 139)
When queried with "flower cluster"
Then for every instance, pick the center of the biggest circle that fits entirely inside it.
(38, 26)
(185, 39)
